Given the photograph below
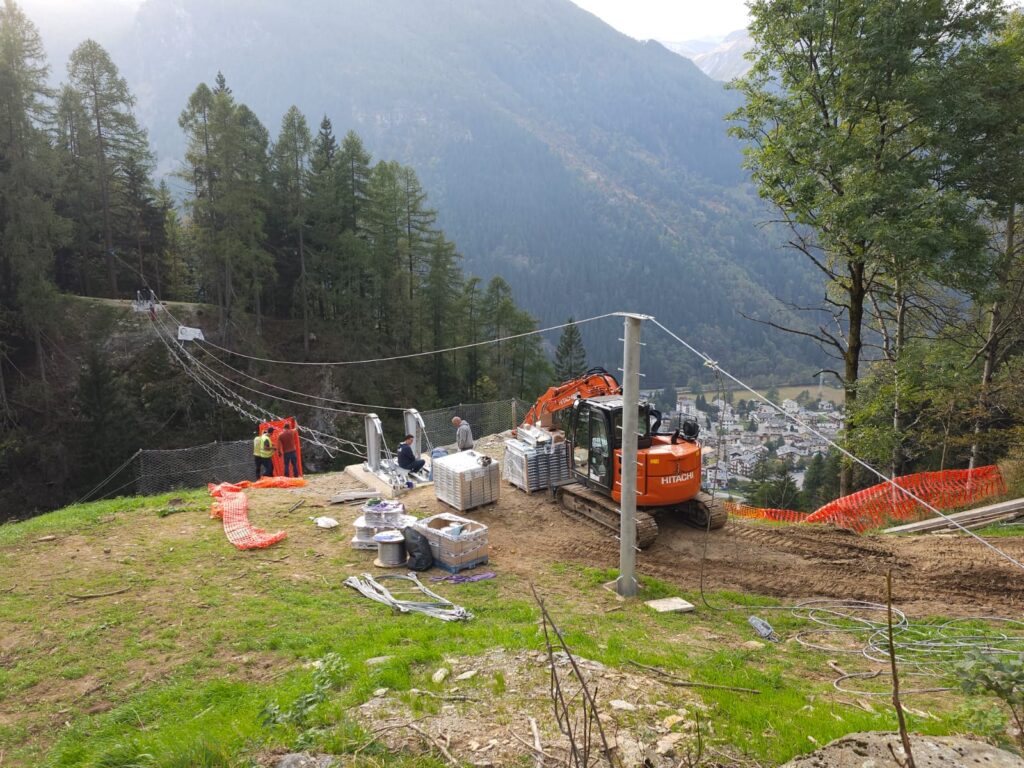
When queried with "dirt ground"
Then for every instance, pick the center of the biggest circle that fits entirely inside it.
(932, 573)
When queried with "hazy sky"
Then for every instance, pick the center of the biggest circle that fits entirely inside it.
(660, 19)
(670, 20)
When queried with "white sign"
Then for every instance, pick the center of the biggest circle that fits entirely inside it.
(190, 334)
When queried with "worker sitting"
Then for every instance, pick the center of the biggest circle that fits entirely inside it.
(406, 458)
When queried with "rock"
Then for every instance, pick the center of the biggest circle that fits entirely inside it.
(621, 706)
(302, 760)
(673, 720)
(466, 675)
(380, 692)
(753, 645)
(866, 749)
(440, 675)
(376, 661)
(667, 745)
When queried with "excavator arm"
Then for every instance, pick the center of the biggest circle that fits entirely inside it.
(594, 383)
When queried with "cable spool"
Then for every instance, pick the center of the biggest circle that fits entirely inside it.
(390, 549)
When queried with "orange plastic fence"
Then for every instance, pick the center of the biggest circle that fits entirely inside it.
(232, 505)
(882, 504)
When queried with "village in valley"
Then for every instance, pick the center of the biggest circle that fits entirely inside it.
(738, 433)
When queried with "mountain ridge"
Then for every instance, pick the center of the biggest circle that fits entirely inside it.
(591, 170)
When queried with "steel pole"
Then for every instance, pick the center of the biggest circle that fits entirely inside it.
(627, 585)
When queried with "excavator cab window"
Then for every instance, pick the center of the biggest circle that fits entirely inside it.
(581, 439)
(643, 427)
(600, 448)
(592, 456)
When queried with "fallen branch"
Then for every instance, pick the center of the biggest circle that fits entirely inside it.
(435, 742)
(442, 697)
(91, 691)
(98, 594)
(296, 505)
(377, 731)
(536, 742)
(532, 747)
(681, 683)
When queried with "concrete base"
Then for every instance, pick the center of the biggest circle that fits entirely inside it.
(370, 480)
(670, 605)
(375, 484)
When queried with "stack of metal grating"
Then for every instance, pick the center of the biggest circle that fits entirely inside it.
(466, 480)
(536, 467)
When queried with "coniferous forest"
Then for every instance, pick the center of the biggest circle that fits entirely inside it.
(293, 240)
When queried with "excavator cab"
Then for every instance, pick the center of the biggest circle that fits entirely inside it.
(594, 432)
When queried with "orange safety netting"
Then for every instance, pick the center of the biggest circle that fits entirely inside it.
(232, 506)
(882, 504)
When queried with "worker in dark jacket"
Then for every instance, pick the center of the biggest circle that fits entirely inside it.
(406, 458)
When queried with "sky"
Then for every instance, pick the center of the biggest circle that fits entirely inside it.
(670, 20)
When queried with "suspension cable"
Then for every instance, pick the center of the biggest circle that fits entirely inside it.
(715, 366)
(410, 355)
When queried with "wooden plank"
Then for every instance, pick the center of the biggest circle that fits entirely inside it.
(347, 496)
(993, 511)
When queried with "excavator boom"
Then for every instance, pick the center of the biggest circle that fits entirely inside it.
(594, 383)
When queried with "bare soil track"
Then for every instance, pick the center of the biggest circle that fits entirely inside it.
(932, 573)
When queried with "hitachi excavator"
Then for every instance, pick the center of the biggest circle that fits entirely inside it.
(589, 412)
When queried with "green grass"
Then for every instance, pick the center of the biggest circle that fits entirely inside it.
(1002, 529)
(195, 657)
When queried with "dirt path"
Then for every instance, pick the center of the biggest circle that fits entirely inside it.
(947, 574)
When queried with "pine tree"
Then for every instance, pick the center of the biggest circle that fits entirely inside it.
(29, 227)
(291, 184)
(570, 355)
(226, 162)
(117, 138)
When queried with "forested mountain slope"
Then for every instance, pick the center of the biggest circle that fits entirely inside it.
(592, 171)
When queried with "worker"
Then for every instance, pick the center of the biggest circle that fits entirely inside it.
(287, 441)
(463, 434)
(406, 458)
(263, 452)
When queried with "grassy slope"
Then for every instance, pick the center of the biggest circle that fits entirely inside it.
(176, 671)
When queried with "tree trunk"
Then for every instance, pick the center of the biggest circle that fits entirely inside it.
(40, 356)
(5, 407)
(856, 293)
(304, 295)
(992, 339)
(108, 235)
(898, 418)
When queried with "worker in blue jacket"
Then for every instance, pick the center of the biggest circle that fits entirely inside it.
(406, 458)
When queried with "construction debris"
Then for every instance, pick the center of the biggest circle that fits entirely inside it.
(346, 497)
(974, 518)
(436, 606)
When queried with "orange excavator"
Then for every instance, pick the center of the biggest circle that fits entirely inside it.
(588, 410)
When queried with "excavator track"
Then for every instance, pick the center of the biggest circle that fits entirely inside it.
(581, 503)
(697, 510)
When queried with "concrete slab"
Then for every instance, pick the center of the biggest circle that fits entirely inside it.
(379, 487)
(670, 605)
